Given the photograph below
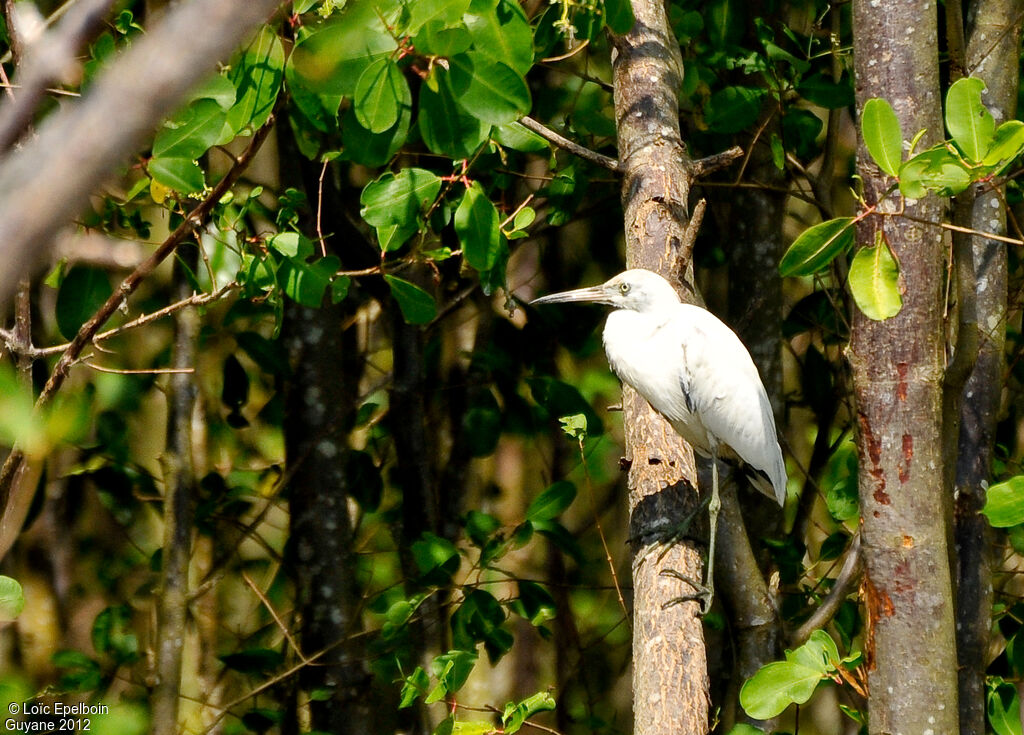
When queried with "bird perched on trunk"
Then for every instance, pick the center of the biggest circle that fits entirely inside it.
(695, 372)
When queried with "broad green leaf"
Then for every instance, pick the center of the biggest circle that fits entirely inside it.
(381, 92)
(1004, 503)
(330, 61)
(744, 729)
(306, 283)
(446, 127)
(217, 88)
(183, 175)
(418, 307)
(256, 74)
(777, 685)
(502, 34)
(552, 502)
(874, 282)
(732, 109)
(12, 599)
(451, 670)
(292, 245)
(840, 483)
(415, 686)
(882, 135)
(491, 90)
(619, 15)
(562, 399)
(472, 727)
(399, 199)
(443, 12)
(478, 226)
(936, 170)
(1003, 707)
(967, 119)
(191, 132)
(362, 146)
(515, 136)
(438, 39)
(393, 237)
(817, 246)
(83, 291)
(782, 683)
(516, 713)
(1007, 144)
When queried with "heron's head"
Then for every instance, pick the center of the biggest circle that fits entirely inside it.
(636, 289)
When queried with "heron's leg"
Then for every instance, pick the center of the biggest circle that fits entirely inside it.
(705, 593)
(713, 508)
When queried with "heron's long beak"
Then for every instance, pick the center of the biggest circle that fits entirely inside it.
(594, 294)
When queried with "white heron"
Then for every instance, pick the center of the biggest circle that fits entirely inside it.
(695, 372)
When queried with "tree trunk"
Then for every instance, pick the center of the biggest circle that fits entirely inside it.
(320, 400)
(670, 685)
(897, 369)
(992, 50)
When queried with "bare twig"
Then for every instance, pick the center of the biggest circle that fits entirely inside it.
(714, 162)
(565, 144)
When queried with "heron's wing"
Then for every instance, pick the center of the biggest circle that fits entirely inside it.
(724, 391)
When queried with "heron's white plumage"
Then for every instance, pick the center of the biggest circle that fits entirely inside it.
(692, 369)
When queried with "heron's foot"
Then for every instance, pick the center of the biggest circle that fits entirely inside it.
(703, 594)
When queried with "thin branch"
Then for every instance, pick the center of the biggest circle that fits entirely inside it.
(565, 144)
(714, 162)
(830, 605)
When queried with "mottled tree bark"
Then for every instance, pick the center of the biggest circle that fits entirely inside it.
(898, 365)
(670, 686)
(993, 45)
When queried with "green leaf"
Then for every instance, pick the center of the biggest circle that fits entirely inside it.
(882, 135)
(440, 12)
(733, 109)
(561, 399)
(217, 88)
(967, 119)
(452, 669)
(502, 34)
(12, 599)
(1007, 144)
(777, 685)
(552, 502)
(398, 199)
(1003, 707)
(418, 307)
(437, 39)
(329, 62)
(83, 291)
(381, 92)
(192, 131)
(1004, 503)
(491, 90)
(516, 713)
(256, 74)
(415, 686)
(817, 246)
(619, 15)
(291, 245)
(447, 128)
(183, 175)
(369, 149)
(516, 137)
(306, 283)
(478, 227)
(936, 170)
(874, 282)
(840, 483)
(744, 729)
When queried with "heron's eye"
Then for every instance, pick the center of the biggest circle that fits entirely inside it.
(624, 288)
